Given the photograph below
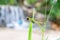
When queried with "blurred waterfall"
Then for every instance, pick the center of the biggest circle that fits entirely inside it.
(13, 16)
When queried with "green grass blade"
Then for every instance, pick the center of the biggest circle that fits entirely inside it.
(30, 31)
(42, 33)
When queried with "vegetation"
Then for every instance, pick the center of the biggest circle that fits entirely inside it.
(4, 2)
(52, 9)
(31, 2)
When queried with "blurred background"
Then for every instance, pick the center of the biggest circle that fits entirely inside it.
(15, 14)
(18, 11)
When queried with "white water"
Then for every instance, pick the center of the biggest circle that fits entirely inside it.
(14, 18)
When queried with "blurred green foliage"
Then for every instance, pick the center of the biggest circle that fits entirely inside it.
(31, 1)
(55, 12)
(45, 8)
(7, 2)
(12, 1)
(56, 8)
(3, 1)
